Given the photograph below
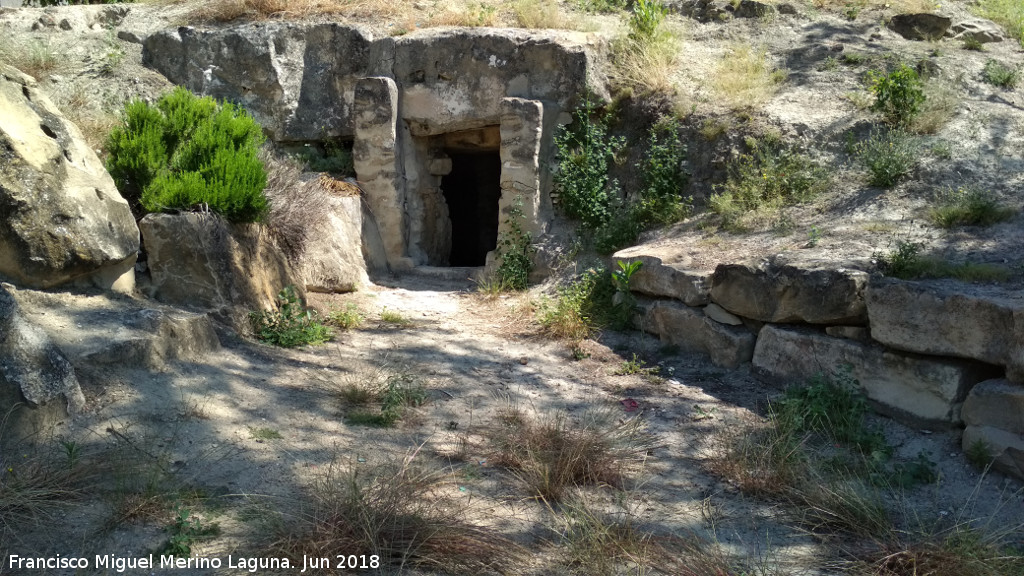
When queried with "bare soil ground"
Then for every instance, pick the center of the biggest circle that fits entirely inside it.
(250, 430)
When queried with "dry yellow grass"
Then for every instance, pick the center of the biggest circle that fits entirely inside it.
(539, 14)
(647, 66)
(744, 77)
(900, 6)
(227, 10)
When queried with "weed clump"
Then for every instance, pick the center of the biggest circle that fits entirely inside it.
(968, 207)
(557, 452)
(186, 153)
(515, 251)
(395, 395)
(290, 325)
(998, 74)
(888, 155)
(770, 176)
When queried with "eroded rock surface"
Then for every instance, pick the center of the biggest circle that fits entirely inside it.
(200, 261)
(939, 318)
(692, 331)
(665, 274)
(792, 290)
(61, 217)
(994, 415)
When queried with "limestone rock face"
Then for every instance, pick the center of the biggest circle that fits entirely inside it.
(152, 337)
(922, 26)
(667, 274)
(977, 29)
(791, 291)
(299, 80)
(199, 260)
(936, 318)
(61, 217)
(33, 370)
(914, 389)
(692, 331)
(332, 260)
(994, 415)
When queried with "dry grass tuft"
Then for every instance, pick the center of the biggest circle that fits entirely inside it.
(79, 106)
(745, 78)
(295, 205)
(760, 458)
(554, 453)
(957, 551)
(34, 57)
(540, 14)
(610, 544)
(398, 512)
(648, 67)
(35, 488)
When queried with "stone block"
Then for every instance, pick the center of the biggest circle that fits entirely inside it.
(667, 274)
(939, 318)
(791, 290)
(997, 403)
(692, 331)
(918, 390)
(921, 26)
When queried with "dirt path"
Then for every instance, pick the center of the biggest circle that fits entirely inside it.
(252, 428)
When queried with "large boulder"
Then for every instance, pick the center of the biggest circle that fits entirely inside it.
(34, 373)
(939, 318)
(61, 217)
(917, 390)
(332, 258)
(692, 331)
(791, 290)
(199, 260)
(994, 415)
(920, 26)
(667, 273)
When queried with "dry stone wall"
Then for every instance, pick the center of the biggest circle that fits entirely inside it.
(932, 354)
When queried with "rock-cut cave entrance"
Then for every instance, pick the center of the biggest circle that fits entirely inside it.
(471, 191)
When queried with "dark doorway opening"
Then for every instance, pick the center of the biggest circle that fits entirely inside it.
(471, 191)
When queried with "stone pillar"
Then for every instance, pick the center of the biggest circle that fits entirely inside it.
(378, 163)
(521, 130)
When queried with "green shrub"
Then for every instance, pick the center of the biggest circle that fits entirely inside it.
(646, 18)
(889, 155)
(186, 152)
(999, 74)
(335, 158)
(515, 251)
(770, 175)
(290, 325)
(585, 149)
(348, 318)
(898, 95)
(969, 207)
(835, 409)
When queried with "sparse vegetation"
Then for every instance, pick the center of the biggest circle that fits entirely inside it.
(998, 74)
(888, 155)
(399, 516)
(770, 176)
(347, 318)
(291, 324)
(906, 261)
(979, 454)
(539, 14)
(514, 251)
(968, 206)
(186, 530)
(940, 103)
(745, 77)
(34, 57)
(394, 318)
(262, 434)
(189, 153)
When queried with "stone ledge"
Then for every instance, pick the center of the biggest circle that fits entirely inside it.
(688, 328)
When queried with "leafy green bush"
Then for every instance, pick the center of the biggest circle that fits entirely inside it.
(290, 325)
(834, 409)
(584, 151)
(889, 155)
(969, 207)
(898, 95)
(336, 158)
(999, 74)
(186, 152)
(770, 175)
